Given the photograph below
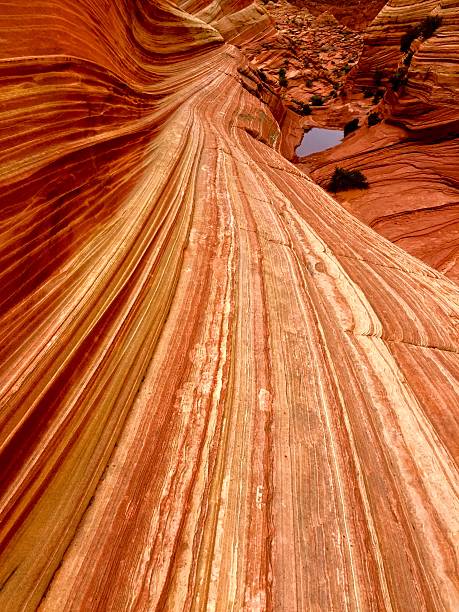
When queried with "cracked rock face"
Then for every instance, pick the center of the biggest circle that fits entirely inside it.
(219, 389)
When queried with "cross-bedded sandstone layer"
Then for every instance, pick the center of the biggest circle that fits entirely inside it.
(219, 389)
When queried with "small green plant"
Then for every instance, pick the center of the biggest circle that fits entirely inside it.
(309, 83)
(283, 82)
(317, 100)
(373, 119)
(398, 79)
(343, 180)
(346, 68)
(351, 126)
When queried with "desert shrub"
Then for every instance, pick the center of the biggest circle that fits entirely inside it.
(373, 119)
(426, 29)
(398, 79)
(351, 126)
(408, 58)
(346, 69)
(317, 100)
(283, 82)
(429, 25)
(262, 74)
(411, 34)
(343, 180)
(379, 95)
(305, 109)
(309, 83)
(302, 107)
(378, 77)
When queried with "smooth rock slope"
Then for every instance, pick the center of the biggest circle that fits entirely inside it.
(219, 390)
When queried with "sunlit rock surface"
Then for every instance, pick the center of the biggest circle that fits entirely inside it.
(220, 391)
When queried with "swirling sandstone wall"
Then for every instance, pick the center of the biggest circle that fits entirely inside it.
(262, 389)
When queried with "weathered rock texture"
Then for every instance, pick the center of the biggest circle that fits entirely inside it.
(257, 392)
(356, 14)
(315, 52)
(411, 160)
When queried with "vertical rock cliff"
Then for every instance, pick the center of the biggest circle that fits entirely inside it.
(219, 390)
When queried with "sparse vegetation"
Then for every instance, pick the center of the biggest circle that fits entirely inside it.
(262, 74)
(351, 126)
(408, 58)
(283, 81)
(426, 29)
(317, 100)
(373, 119)
(301, 107)
(410, 35)
(429, 25)
(398, 79)
(379, 95)
(343, 180)
(305, 109)
(378, 77)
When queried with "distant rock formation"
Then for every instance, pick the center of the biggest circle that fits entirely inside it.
(355, 14)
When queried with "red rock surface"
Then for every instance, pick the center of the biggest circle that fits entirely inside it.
(411, 160)
(315, 52)
(356, 14)
(219, 390)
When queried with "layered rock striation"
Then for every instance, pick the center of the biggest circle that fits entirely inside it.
(219, 390)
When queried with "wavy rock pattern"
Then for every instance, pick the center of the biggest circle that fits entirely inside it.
(270, 386)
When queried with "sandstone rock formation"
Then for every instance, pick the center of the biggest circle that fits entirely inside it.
(356, 14)
(316, 53)
(219, 390)
(410, 159)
